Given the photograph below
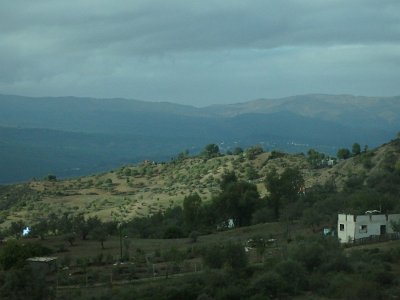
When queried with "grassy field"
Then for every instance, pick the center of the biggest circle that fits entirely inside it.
(86, 264)
(89, 248)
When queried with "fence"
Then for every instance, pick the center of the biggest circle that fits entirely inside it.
(377, 238)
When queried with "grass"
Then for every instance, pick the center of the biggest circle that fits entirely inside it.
(78, 283)
(90, 248)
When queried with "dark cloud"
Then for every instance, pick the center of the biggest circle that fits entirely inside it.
(199, 52)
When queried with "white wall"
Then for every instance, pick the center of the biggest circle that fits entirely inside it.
(353, 224)
(347, 234)
(373, 223)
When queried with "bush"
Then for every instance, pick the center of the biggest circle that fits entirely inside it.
(213, 256)
(235, 256)
(269, 284)
(231, 255)
(314, 252)
(276, 154)
(25, 284)
(252, 152)
(263, 215)
(294, 276)
(173, 232)
(193, 236)
(14, 254)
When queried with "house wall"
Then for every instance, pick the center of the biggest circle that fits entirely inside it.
(362, 226)
(347, 234)
(373, 225)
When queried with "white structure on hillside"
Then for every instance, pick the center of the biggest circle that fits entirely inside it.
(354, 227)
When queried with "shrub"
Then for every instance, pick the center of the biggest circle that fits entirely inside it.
(294, 276)
(232, 255)
(269, 284)
(14, 254)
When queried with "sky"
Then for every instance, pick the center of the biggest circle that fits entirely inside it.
(199, 52)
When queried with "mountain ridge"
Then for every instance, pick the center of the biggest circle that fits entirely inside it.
(140, 130)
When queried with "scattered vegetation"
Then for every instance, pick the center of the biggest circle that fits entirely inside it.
(240, 226)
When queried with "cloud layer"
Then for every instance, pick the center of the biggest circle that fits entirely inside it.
(199, 52)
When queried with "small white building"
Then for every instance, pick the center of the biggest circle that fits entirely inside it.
(354, 227)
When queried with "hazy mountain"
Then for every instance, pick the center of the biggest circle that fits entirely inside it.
(354, 111)
(71, 136)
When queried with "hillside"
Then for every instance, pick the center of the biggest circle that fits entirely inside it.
(149, 187)
(70, 136)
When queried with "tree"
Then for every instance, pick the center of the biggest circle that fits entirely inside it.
(313, 218)
(16, 228)
(397, 167)
(237, 201)
(173, 232)
(237, 151)
(99, 234)
(213, 256)
(70, 238)
(80, 226)
(343, 153)
(365, 148)
(84, 227)
(395, 226)
(210, 151)
(24, 283)
(40, 229)
(227, 178)
(65, 223)
(51, 177)
(235, 256)
(283, 189)
(53, 222)
(294, 276)
(251, 173)
(229, 254)
(315, 158)
(252, 152)
(13, 254)
(356, 149)
(192, 205)
(183, 155)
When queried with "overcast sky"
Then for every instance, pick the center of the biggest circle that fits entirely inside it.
(199, 52)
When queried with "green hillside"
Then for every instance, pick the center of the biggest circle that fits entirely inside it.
(124, 233)
(149, 187)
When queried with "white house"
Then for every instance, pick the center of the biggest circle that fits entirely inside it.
(353, 227)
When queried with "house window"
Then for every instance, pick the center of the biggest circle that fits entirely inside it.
(363, 229)
(341, 227)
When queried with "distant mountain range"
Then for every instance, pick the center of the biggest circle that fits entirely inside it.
(69, 136)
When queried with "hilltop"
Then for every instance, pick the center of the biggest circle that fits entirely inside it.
(149, 187)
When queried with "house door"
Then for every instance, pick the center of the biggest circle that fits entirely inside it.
(383, 229)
